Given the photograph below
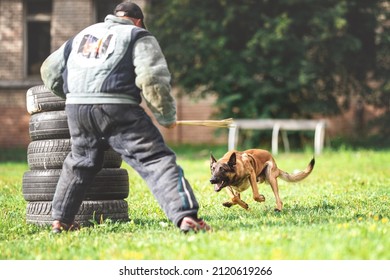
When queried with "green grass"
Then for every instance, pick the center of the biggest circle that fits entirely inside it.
(341, 211)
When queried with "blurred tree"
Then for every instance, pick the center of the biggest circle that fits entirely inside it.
(277, 59)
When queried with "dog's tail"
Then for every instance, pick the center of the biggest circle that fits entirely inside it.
(299, 175)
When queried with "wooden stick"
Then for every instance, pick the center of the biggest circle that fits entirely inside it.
(210, 123)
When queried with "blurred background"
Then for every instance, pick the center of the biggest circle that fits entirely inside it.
(241, 59)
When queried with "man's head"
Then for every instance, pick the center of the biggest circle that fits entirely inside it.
(131, 10)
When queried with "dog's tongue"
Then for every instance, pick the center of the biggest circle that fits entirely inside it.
(217, 187)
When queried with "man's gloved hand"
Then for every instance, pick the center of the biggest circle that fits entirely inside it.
(172, 125)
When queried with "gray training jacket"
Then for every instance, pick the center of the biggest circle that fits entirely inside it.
(112, 62)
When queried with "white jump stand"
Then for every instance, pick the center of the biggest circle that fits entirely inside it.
(277, 125)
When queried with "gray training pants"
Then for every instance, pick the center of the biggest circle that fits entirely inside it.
(130, 132)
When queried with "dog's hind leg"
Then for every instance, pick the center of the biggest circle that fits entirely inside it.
(272, 180)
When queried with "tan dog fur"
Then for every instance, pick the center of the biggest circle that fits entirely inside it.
(238, 170)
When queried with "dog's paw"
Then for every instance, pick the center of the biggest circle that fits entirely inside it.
(227, 204)
(277, 210)
(260, 198)
(279, 207)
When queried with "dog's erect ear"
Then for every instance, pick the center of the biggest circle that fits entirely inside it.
(212, 159)
(232, 160)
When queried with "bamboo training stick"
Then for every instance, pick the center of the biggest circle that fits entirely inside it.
(211, 123)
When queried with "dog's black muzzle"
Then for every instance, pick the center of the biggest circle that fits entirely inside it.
(214, 180)
(218, 182)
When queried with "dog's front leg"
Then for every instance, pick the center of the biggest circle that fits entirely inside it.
(256, 196)
(229, 203)
(235, 199)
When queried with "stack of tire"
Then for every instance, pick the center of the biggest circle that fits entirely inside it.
(49, 146)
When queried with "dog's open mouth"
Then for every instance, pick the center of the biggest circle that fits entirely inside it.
(219, 186)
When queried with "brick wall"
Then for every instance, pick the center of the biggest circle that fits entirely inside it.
(68, 18)
(14, 119)
(13, 115)
(11, 40)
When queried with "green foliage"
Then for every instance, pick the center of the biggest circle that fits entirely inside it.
(277, 59)
(340, 212)
(15, 154)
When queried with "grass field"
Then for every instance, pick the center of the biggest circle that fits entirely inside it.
(341, 211)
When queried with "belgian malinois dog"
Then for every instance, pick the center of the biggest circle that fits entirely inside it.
(237, 171)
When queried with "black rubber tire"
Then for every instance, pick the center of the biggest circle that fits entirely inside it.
(40, 99)
(49, 125)
(110, 183)
(51, 153)
(90, 212)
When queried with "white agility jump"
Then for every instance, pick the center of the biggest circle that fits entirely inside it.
(279, 125)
